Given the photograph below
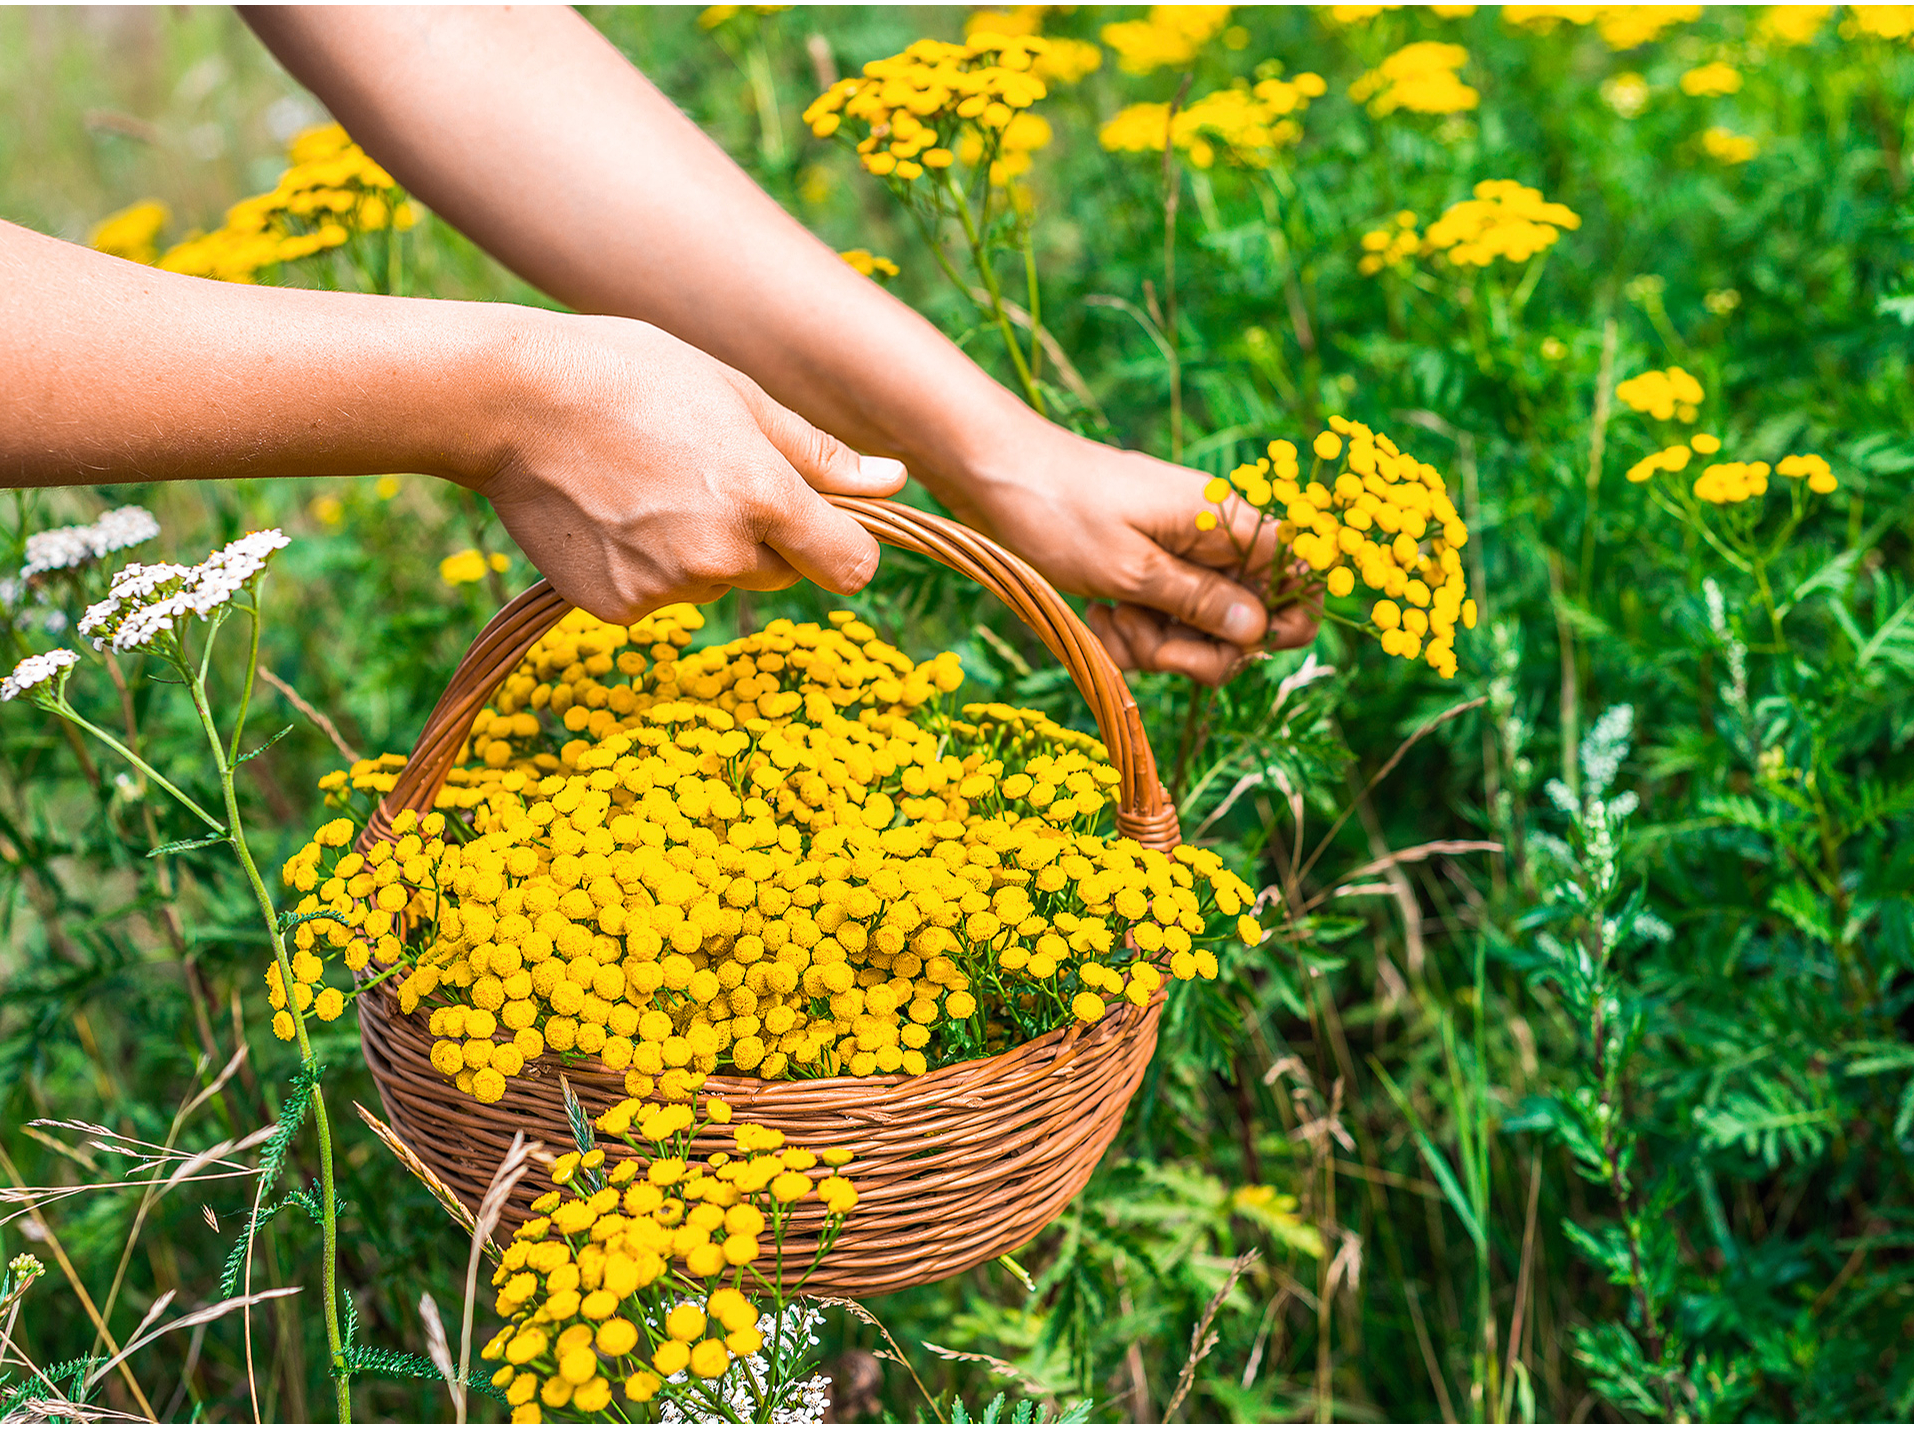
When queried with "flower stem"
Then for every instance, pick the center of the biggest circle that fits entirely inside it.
(980, 256)
(60, 707)
(1172, 193)
(328, 1213)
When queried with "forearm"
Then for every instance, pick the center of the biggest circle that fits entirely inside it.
(586, 181)
(111, 372)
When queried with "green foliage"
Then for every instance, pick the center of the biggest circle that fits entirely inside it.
(1576, 1075)
(1025, 1412)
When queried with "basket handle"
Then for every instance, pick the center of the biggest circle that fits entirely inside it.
(1144, 809)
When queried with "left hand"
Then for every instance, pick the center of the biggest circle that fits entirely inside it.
(1109, 524)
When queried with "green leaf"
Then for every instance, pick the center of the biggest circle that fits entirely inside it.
(264, 745)
(1438, 1163)
(1805, 910)
(188, 845)
(288, 920)
(1901, 651)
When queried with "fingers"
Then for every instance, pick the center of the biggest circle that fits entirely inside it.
(1291, 627)
(1142, 639)
(805, 535)
(820, 460)
(820, 542)
(1242, 531)
(1200, 598)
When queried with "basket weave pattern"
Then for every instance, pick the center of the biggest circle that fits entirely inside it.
(954, 1167)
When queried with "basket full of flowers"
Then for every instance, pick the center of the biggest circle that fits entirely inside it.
(620, 874)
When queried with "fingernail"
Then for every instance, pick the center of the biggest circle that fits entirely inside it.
(879, 470)
(1242, 626)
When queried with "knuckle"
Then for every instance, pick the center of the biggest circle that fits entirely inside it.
(815, 450)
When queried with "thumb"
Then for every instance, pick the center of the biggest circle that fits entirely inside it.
(1202, 598)
(824, 543)
(828, 465)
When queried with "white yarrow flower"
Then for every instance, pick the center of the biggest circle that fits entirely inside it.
(145, 599)
(60, 548)
(57, 548)
(124, 528)
(807, 1401)
(30, 672)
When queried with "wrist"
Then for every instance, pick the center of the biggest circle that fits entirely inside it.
(497, 387)
(989, 457)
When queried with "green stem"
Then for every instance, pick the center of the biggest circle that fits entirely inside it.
(1767, 602)
(1172, 192)
(61, 708)
(246, 693)
(980, 256)
(1033, 301)
(329, 1219)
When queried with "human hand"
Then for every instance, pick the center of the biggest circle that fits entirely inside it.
(1106, 523)
(636, 471)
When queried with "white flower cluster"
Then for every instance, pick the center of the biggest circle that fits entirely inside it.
(804, 1403)
(59, 548)
(31, 671)
(146, 598)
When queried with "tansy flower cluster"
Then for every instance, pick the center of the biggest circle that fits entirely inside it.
(1671, 393)
(1169, 35)
(1792, 24)
(1674, 393)
(1387, 247)
(1882, 22)
(1622, 27)
(1505, 220)
(1716, 78)
(1723, 484)
(1420, 77)
(469, 565)
(628, 1283)
(332, 191)
(1063, 60)
(938, 103)
(133, 233)
(1386, 517)
(1728, 147)
(1246, 123)
(780, 856)
(868, 264)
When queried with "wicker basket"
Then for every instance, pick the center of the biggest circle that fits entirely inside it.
(955, 1167)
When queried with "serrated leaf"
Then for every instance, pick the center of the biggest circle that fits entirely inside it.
(289, 920)
(1832, 574)
(1805, 910)
(1890, 641)
(266, 744)
(188, 845)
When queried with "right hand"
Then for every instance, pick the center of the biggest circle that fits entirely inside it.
(636, 471)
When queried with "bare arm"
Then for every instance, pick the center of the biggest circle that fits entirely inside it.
(531, 133)
(633, 469)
